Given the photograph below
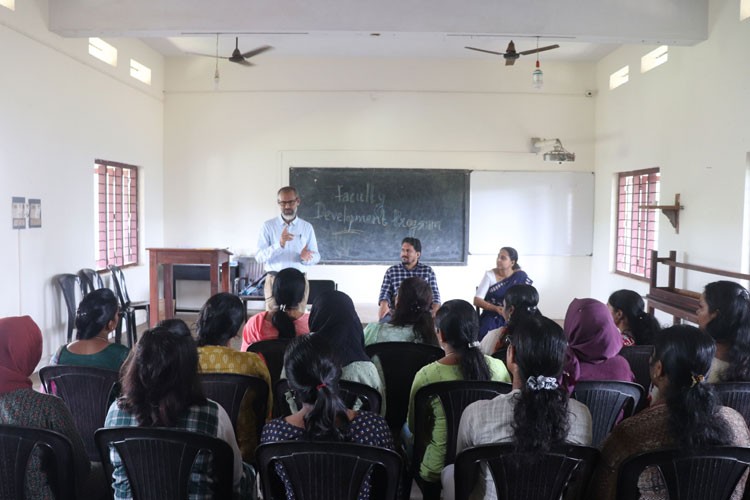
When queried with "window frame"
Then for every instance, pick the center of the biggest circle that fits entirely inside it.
(636, 247)
(117, 232)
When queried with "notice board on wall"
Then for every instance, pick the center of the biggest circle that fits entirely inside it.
(537, 213)
(360, 215)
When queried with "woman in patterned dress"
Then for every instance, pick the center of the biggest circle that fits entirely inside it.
(314, 375)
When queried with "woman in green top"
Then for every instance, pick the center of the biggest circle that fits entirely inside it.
(412, 319)
(97, 315)
(457, 330)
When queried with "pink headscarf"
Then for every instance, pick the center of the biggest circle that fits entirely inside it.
(592, 336)
(20, 352)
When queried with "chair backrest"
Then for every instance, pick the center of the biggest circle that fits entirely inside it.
(121, 288)
(273, 354)
(565, 467)
(87, 392)
(710, 474)
(68, 284)
(16, 445)
(229, 389)
(90, 281)
(637, 357)
(352, 393)
(735, 395)
(158, 461)
(400, 362)
(330, 470)
(319, 286)
(607, 400)
(454, 396)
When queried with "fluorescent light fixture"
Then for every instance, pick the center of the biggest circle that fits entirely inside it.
(140, 72)
(103, 51)
(744, 9)
(8, 4)
(619, 77)
(655, 58)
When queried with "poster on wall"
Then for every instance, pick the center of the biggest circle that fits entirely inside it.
(17, 210)
(35, 212)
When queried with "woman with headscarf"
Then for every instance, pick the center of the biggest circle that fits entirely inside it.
(333, 317)
(593, 345)
(20, 404)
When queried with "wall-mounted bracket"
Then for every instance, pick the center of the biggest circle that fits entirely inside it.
(671, 211)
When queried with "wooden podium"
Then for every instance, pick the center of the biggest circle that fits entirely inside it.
(167, 257)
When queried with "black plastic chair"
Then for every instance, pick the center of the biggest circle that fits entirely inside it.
(87, 392)
(711, 474)
(400, 362)
(90, 281)
(16, 446)
(329, 470)
(273, 354)
(68, 284)
(158, 460)
(563, 472)
(229, 389)
(638, 358)
(735, 395)
(352, 393)
(318, 287)
(454, 396)
(127, 307)
(607, 400)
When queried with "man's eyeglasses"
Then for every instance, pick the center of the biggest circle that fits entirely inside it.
(287, 203)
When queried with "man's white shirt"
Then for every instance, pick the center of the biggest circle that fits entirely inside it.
(274, 257)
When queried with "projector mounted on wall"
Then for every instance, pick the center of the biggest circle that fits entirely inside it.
(557, 154)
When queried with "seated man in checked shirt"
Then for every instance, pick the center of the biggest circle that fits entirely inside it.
(411, 250)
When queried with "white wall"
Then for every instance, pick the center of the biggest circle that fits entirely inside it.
(689, 117)
(59, 110)
(228, 151)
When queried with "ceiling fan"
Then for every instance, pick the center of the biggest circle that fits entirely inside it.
(237, 56)
(510, 55)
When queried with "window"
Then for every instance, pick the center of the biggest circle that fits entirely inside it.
(619, 77)
(103, 51)
(637, 229)
(744, 9)
(655, 58)
(8, 4)
(140, 72)
(116, 186)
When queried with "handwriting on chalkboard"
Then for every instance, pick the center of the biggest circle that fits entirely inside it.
(365, 206)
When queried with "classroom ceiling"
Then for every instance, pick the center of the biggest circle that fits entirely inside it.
(586, 30)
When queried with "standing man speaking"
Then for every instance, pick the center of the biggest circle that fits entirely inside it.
(286, 240)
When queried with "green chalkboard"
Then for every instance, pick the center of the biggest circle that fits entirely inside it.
(360, 215)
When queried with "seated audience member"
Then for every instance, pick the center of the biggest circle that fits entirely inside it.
(314, 375)
(457, 328)
(536, 415)
(495, 283)
(724, 313)
(593, 345)
(161, 388)
(20, 404)
(688, 416)
(97, 315)
(412, 317)
(286, 320)
(519, 302)
(219, 321)
(175, 326)
(333, 317)
(636, 325)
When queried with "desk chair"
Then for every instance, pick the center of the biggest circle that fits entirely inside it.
(638, 358)
(563, 472)
(607, 400)
(127, 307)
(735, 395)
(16, 446)
(90, 281)
(68, 284)
(273, 354)
(317, 287)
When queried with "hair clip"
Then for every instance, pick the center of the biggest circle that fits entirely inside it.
(696, 379)
(474, 344)
(541, 383)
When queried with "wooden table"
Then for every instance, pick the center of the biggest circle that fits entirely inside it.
(167, 257)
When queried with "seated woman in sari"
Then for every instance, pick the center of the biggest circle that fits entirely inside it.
(492, 288)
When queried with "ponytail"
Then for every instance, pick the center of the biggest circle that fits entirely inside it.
(288, 292)
(283, 323)
(458, 321)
